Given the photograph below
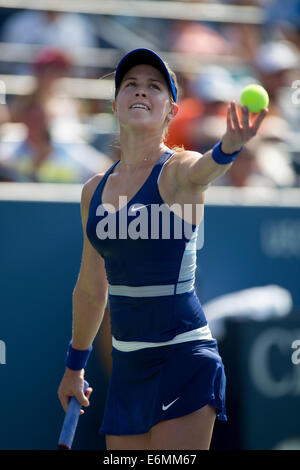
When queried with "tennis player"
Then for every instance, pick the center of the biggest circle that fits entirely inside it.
(167, 385)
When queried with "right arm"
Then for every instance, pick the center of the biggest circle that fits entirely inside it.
(89, 303)
(90, 292)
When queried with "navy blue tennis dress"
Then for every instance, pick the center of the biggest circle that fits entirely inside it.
(165, 363)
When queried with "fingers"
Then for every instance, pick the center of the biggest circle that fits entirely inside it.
(242, 129)
(85, 399)
(64, 400)
(229, 121)
(245, 117)
(82, 399)
(259, 120)
(234, 115)
(65, 394)
(88, 392)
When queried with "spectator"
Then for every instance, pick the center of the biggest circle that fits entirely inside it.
(245, 172)
(276, 64)
(178, 133)
(9, 175)
(39, 157)
(210, 93)
(273, 155)
(49, 28)
(196, 38)
(265, 162)
(286, 17)
(202, 117)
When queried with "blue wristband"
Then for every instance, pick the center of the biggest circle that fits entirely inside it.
(77, 359)
(223, 158)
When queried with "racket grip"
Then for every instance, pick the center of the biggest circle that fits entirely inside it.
(70, 422)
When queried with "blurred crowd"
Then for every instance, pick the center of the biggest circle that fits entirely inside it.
(50, 135)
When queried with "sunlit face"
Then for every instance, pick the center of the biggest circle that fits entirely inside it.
(143, 100)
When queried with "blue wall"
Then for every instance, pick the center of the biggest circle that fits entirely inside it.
(249, 246)
(40, 257)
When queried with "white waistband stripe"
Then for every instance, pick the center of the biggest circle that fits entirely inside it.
(193, 335)
(186, 286)
(152, 291)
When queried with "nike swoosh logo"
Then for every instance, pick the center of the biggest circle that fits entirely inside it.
(134, 209)
(165, 407)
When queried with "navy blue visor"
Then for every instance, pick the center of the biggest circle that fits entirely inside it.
(143, 56)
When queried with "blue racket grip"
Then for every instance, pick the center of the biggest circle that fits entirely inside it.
(70, 422)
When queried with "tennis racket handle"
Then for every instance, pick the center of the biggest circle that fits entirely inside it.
(70, 422)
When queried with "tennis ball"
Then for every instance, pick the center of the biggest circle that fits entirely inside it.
(255, 98)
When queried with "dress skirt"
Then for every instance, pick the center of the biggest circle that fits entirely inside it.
(158, 383)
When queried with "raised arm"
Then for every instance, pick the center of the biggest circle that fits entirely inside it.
(199, 171)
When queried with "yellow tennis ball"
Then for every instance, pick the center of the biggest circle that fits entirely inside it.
(255, 98)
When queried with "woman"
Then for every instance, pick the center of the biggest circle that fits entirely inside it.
(167, 384)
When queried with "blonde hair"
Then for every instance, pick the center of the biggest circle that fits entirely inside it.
(167, 123)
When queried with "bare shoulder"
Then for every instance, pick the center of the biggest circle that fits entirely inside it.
(180, 163)
(87, 193)
(183, 158)
(187, 156)
(89, 188)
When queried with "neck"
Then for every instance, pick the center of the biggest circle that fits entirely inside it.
(140, 150)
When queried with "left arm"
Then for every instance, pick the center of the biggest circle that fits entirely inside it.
(200, 172)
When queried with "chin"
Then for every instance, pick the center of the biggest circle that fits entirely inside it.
(141, 126)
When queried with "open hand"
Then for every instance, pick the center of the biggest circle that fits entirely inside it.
(240, 130)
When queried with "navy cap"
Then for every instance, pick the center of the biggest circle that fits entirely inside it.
(143, 56)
